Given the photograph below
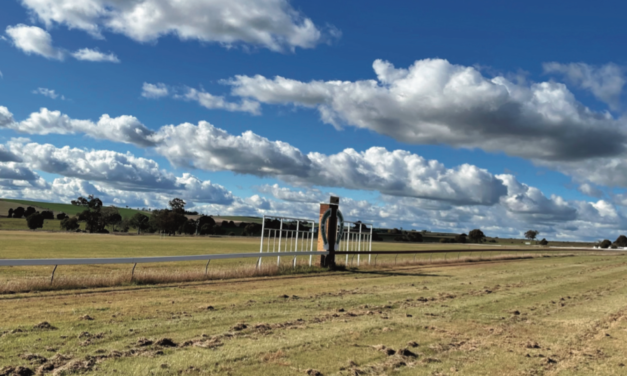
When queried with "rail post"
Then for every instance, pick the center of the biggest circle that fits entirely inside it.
(133, 271)
(278, 258)
(52, 276)
(370, 244)
(207, 266)
(263, 228)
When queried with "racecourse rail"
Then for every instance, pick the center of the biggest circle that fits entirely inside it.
(157, 259)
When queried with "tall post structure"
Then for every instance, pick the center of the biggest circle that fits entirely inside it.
(331, 231)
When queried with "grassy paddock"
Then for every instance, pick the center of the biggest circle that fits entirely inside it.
(79, 245)
(540, 316)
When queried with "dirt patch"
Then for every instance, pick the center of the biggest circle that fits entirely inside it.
(313, 372)
(44, 325)
(75, 366)
(165, 342)
(143, 341)
(34, 358)
(57, 361)
(16, 371)
(87, 318)
(239, 327)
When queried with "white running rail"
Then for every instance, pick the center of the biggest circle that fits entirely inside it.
(138, 260)
(142, 260)
(289, 239)
(357, 237)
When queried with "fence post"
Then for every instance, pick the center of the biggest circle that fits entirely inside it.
(313, 225)
(359, 244)
(348, 241)
(133, 271)
(278, 259)
(370, 244)
(263, 228)
(52, 276)
(207, 266)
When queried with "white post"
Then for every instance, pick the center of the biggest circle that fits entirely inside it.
(370, 244)
(360, 240)
(263, 227)
(278, 259)
(313, 229)
(348, 241)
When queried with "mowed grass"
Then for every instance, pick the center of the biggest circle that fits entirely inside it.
(41, 244)
(542, 316)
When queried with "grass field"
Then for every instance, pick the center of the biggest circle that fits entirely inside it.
(542, 316)
(40, 244)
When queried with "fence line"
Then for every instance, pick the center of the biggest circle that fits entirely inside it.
(141, 260)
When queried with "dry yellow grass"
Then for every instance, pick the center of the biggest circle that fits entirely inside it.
(539, 316)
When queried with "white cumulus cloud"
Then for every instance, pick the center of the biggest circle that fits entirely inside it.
(154, 90)
(272, 24)
(436, 102)
(605, 82)
(34, 40)
(88, 54)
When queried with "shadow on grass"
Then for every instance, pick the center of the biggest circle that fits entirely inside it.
(394, 273)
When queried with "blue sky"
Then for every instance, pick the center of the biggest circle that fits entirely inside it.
(562, 67)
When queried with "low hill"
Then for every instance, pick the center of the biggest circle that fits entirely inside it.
(69, 209)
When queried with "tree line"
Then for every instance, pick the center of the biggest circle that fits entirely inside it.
(170, 221)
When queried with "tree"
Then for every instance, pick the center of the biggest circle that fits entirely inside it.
(605, 244)
(544, 242)
(70, 224)
(531, 234)
(62, 216)
(461, 238)
(252, 229)
(35, 221)
(81, 201)
(140, 222)
(177, 205)
(18, 212)
(621, 241)
(167, 221)
(47, 214)
(476, 235)
(92, 215)
(188, 227)
(29, 211)
(414, 236)
(10, 213)
(111, 217)
(124, 225)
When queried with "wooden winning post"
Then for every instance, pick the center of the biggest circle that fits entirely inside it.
(331, 231)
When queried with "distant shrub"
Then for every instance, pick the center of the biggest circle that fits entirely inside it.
(47, 214)
(61, 216)
(18, 212)
(461, 238)
(29, 211)
(544, 242)
(621, 241)
(605, 243)
(35, 221)
(231, 234)
(10, 213)
(70, 224)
